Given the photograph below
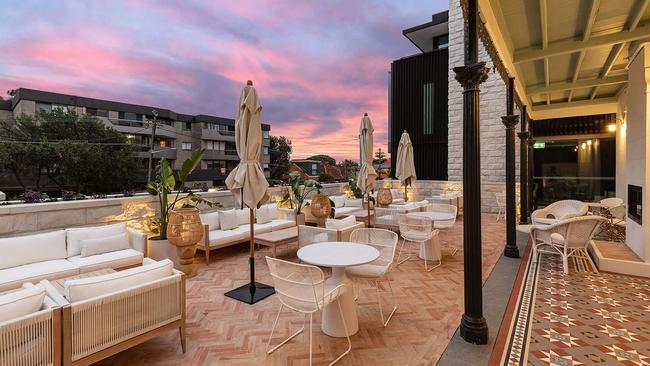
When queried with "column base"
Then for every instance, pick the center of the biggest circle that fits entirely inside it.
(511, 251)
(474, 330)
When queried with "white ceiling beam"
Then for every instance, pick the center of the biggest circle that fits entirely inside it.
(570, 46)
(589, 24)
(543, 21)
(584, 83)
(577, 108)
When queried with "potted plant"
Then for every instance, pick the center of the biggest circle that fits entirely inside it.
(181, 210)
(297, 193)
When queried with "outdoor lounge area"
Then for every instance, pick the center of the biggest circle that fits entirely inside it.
(506, 227)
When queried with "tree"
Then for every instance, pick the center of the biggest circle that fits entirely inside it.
(280, 153)
(323, 158)
(72, 151)
(380, 157)
(347, 166)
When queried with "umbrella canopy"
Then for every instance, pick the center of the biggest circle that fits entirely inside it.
(405, 168)
(248, 177)
(367, 174)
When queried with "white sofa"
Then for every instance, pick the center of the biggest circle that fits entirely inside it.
(58, 254)
(104, 315)
(343, 207)
(216, 236)
(30, 327)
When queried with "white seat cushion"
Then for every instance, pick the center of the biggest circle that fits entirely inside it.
(222, 238)
(415, 235)
(357, 202)
(366, 270)
(51, 270)
(22, 302)
(345, 211)
(118, 259)
(279, 224)
(341, 224)
(85, 288)
(74, 235)
(21, 250)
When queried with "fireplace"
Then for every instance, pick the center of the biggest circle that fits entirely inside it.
(635, 203)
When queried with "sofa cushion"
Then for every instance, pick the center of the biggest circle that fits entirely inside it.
(85, 288)
(345, 211)
(21, 250)
(52, 270)
(243, 216)
(229, 219)
(357, 202)
(74, 235)
(22, 302)
(211, 219)
(113, 243)
(341, 224)
(279, 224)
(222, 238)
(339, 201)
(265, 214)
(116, 259)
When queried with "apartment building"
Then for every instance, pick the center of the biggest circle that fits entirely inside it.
(176, 134)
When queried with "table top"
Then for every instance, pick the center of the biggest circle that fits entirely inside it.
(338, 254)
(279, 235)
(433, 215)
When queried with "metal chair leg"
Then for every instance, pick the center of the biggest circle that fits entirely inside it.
(425, 259)
(275, 323)
(400, 253)
(384, 322)
(345, 327)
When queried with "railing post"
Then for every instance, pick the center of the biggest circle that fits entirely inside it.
(510, 121)
(523, 168)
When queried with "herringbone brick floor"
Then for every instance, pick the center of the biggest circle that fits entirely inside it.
(221, 331)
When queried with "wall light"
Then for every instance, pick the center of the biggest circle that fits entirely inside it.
(589, 142)
(611, 127)
(583, 146)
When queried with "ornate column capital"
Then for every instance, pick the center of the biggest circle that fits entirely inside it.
(523, 136)
(510, 121)
(470, 76)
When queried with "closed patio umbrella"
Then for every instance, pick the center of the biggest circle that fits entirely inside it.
(247, 182)
(405, 167)
(367, 174)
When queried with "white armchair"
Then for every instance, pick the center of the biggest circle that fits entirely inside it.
(558, 211)
(568, 238)
(33, 337)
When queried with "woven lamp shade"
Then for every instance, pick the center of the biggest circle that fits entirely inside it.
(184, 227)
(320, 207)
(384, 197)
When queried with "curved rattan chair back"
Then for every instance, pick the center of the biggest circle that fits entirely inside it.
(300, 287)
(580, 230)
(612, 202)
(566, 209)
(385, 241)
(618, 213)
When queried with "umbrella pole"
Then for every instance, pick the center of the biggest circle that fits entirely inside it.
(368, 198)
(251, 292)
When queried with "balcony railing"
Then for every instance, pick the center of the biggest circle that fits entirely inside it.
(126, 122)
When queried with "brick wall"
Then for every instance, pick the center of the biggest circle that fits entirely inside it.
(493, 107)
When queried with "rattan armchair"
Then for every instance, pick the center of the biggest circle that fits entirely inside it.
(558, 211)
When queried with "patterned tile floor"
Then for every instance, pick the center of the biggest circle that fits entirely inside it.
(582, 318)
(221, 331)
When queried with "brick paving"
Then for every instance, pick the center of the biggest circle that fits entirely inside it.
(221, 331)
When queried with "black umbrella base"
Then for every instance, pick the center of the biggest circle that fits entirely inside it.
(250, 293)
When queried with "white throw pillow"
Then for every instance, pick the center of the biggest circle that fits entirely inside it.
(74, 235)
(229, 219)
(243, 216)
(19, 250)
(341, 224)
(22, 302)
(358, 202)
(85, 288)
(339, 201)
(211, 219)
(104, 245)
(264, 215)
(273, 210)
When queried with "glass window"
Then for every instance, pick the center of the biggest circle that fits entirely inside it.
(314, 169)
(265, 150)
(441, 41)
(266, 134)
(427, 113)
(130, 116)
(215, 145)
(165, 143)
(97, 112)
(46, 107)
(62, 107)
(187, 125)
(219, 165)
(266, 165)
(186, 146)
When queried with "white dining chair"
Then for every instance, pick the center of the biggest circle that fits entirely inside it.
(302, 288)
(501, 204)
(446, 224)
(567, 238)
(416, 230)
(385, 241)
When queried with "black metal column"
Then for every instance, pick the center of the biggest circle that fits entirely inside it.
(510, 121)
(523, 168)
(473, 327)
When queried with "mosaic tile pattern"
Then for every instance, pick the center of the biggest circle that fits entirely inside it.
(582, 318)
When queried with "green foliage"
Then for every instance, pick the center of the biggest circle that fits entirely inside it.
(165, 182)
(354, 188)
(323, 159)
(298, 191)
(280, 152)
(325, 178)
(68, 150)
(380, 157)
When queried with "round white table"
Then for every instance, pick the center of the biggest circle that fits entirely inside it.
(338, 256)
(433, 250)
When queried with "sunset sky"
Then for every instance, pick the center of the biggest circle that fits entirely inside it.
(317, 65)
